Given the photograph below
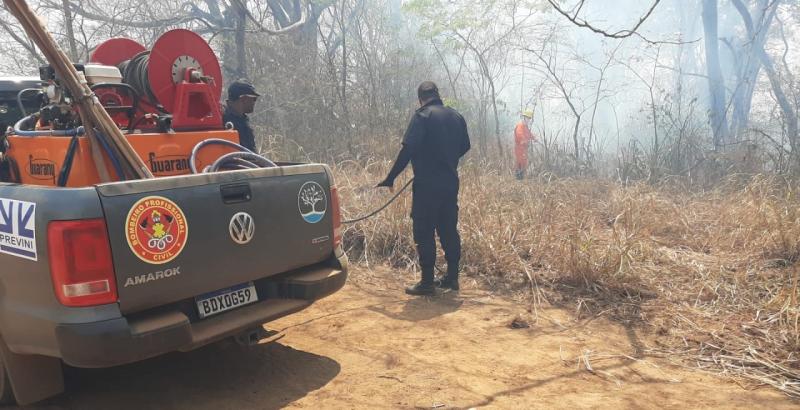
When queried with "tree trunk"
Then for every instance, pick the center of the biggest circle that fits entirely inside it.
(716, 83)
(759, 35)
(656, 144)
(594, 107)
(742, 98)
(747, 75)
(233, 53)
(241, 63)
(482, 123)
(575, 140)
(787, 109)
(345, 104)
(488, 75)
(73, 49)
(496, 120)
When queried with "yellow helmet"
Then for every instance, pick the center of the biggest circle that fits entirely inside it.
(527, 113)
(155, 214)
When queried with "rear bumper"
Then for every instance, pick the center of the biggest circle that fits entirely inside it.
(120, 341)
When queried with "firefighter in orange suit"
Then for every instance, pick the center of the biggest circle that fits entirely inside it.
(522, 140)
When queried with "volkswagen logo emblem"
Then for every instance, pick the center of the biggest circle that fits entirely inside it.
(242, 228)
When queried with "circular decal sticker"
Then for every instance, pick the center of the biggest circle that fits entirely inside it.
(156, 230)
(312, 202)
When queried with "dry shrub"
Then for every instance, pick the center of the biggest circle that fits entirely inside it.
(712, 273)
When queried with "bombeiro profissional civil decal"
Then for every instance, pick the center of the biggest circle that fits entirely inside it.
(156, 229)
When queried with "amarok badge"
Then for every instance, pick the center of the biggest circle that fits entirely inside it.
(156, 230)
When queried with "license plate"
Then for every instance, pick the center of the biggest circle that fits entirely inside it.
(226, 299)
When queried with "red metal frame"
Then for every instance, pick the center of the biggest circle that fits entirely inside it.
(193, 102)
(116, 50)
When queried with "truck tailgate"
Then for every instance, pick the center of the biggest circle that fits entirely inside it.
(179, 237)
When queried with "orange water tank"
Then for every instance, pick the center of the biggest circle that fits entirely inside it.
(39, 159)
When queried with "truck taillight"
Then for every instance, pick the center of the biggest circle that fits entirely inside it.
(337, 217)
(80, 262)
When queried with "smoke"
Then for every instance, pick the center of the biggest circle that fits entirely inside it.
(358, 78)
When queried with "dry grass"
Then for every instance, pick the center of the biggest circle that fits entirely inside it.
(712, 275)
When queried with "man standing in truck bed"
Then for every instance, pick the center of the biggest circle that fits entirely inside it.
(242, 98)
(434, 142)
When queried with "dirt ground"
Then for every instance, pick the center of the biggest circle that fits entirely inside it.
(370, 346)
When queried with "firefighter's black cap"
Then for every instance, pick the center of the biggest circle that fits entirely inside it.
(239, 88)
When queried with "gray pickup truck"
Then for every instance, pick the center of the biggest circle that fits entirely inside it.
(119, 272)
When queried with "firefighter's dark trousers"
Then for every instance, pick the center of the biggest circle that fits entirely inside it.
(436, 211)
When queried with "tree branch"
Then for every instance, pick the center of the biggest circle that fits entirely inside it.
(583, 23)
(78, 10)
(25, 44)
(282, 20)
(576, 20)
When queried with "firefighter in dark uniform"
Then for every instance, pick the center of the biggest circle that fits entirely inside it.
(242, 98)
(434, 142)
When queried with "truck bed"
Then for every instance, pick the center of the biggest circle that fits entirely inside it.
(178, 244)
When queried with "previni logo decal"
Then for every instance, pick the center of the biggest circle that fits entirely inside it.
(18, 228)
(312, 202)
(156, 230)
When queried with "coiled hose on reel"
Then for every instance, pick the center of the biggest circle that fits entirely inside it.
(134, 73)
(242, 159)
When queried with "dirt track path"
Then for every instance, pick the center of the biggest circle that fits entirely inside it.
(371, 346)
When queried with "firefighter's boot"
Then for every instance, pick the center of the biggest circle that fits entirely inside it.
(450, 281)
(425, 287)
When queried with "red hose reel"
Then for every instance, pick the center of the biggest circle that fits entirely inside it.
(180, 75)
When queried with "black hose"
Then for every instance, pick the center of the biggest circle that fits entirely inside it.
(134, 73)
(241, 159)
(114, 160)
(19, 99)
(66, 168)
(13, 171)
(375, 212)
(132, 127)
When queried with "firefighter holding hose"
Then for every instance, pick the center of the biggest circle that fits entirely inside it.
(435, 141)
